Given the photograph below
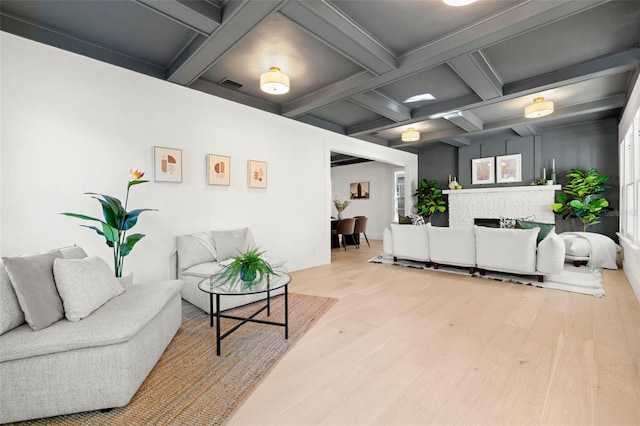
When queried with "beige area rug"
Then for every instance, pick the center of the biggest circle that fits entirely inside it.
(190, 385)
(583, 279)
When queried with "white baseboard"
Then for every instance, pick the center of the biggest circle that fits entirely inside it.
(631, 263)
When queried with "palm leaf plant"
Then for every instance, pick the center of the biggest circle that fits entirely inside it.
(250, 267)
(117, 221)
(430, 199)
(580, 197)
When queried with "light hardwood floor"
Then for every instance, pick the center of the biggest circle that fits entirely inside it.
(420, 347)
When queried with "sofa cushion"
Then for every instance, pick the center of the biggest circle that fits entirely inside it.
(117, 321)
(32, 279)
(452, 245)
(11, 314)
(195, 248)
(550, 256)
(203, 270)
(509, 250)
(73, 252)
(231, 243)
(84, 285)
(545, 228)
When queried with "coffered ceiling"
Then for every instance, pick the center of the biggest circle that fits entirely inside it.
(354, 63)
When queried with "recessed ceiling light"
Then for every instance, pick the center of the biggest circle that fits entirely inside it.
(458, 2)
(418, 98)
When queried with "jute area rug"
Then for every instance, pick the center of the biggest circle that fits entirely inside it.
(583, 279)
(190, 385)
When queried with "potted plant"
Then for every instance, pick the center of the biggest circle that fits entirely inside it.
(340, 206)
(117, 221)
(250, 267)
(583, 187)
(430, 199)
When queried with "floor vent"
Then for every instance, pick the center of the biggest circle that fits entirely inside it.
(229, 84)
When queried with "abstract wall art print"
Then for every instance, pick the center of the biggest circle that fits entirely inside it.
(257, 174)
(509, 168)
(167, 164)
(482, 171)
(219, 169)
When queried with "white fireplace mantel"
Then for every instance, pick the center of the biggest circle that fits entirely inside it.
(465, 205)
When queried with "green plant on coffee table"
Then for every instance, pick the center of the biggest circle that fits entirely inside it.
(430, 199)
(583, 187)
(250, 267)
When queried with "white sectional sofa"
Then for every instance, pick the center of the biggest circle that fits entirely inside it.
(199, 256)
(97, 362)
(476, 247)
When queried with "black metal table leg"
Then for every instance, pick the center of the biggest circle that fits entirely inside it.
(210, 309)
(286, 311)
(218, 340)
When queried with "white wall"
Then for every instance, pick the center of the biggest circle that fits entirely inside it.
(71, 125)
(379, 207)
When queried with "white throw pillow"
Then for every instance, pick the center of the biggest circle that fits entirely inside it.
(232, 243)
(84, 285)
(11, 314)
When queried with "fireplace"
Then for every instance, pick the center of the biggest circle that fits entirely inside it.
(488, 222)
(468, 205)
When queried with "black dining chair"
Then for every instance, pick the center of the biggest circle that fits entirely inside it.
(360, 228)
(345, 227)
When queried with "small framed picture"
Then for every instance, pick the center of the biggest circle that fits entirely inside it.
(257, 174)
(167, 164)
(219, 170)
(509, 168)
(482, 171)
(359, 190)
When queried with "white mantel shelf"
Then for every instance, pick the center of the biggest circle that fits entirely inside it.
(504, 189)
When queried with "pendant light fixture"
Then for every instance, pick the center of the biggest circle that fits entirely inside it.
(274, 82)
(539, 108)
(411, 135)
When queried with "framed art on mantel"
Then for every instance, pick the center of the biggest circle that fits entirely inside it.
(167, 164)
(219, 169)
(509, 168)
(482, 171)
(257, 174)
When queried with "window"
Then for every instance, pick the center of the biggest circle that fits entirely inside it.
(630, 181)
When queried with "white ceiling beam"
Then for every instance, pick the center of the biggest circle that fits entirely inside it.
(520, 18)
(239, 17)
(475, 70)
(382, 105)
(197, 15)
(339, 32)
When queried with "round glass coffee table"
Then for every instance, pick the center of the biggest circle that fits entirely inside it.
(218, 287)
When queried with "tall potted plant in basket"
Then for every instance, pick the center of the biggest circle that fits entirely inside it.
(583, 187)
(117, 221)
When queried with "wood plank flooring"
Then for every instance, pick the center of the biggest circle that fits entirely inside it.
(418, 347)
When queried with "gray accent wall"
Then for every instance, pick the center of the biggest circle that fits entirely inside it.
(592, 144)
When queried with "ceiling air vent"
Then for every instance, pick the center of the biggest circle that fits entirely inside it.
(229, 84)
